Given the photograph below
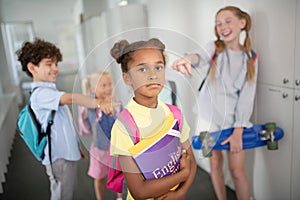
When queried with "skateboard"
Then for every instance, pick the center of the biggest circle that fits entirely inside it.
(256, 136)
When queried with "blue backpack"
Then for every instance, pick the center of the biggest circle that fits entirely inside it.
(31, 132)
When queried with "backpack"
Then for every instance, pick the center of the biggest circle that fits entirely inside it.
(115, 178)
(31, 132)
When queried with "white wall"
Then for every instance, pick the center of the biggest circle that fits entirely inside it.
(52, 21)
(6, 82)
(121, 24)
(47, 16)
(8, 112)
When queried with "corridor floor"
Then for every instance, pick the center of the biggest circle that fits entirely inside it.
(26, 180)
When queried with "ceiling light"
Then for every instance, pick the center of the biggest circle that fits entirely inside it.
(123, 3)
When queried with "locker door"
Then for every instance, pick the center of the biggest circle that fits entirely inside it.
(297, 52)
(275, 41)
(271, 172)
(296, 148)
(296, 132)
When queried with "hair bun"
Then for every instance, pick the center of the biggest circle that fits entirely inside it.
(118, 49)
(156, 43)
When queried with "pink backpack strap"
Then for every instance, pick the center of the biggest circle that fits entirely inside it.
(254, 56)
(176, 113)
(83, 123)
(126, 118)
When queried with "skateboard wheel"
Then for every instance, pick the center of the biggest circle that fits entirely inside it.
(270, 127)
(206, 150)
(203, 135)
(272, 145)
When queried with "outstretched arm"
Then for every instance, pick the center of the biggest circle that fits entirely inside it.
(186, 62)
(86, 101)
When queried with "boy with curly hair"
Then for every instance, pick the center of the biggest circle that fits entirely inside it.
(39, 60)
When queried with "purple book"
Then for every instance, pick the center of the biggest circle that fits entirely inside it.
(159, 156)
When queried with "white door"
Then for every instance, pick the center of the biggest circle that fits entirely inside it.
(272, 169)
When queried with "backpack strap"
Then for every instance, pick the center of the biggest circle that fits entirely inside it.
(207, 73)
(48, 130)
(31, 91)
(173, 92)
(36, 123)
(254, 55)
(176, 113)
(126, 118)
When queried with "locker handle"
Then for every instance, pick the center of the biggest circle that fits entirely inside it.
(297, 97)
(285, 81)
(284, 95)
(297, 82)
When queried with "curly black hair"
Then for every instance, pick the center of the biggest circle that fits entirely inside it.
(35, 51)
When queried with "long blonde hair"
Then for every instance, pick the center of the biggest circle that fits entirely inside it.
(247, 47)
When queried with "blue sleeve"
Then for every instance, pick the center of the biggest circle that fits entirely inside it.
(46, 98)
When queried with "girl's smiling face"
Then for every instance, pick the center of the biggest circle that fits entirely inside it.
(229, 26)
(103, 87)
(146, 74)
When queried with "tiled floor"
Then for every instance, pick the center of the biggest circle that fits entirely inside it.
(26, 180)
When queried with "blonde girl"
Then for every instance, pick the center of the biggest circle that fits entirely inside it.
(100, 86)
(229, 90)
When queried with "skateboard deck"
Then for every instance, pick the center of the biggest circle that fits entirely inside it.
(253, 137)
